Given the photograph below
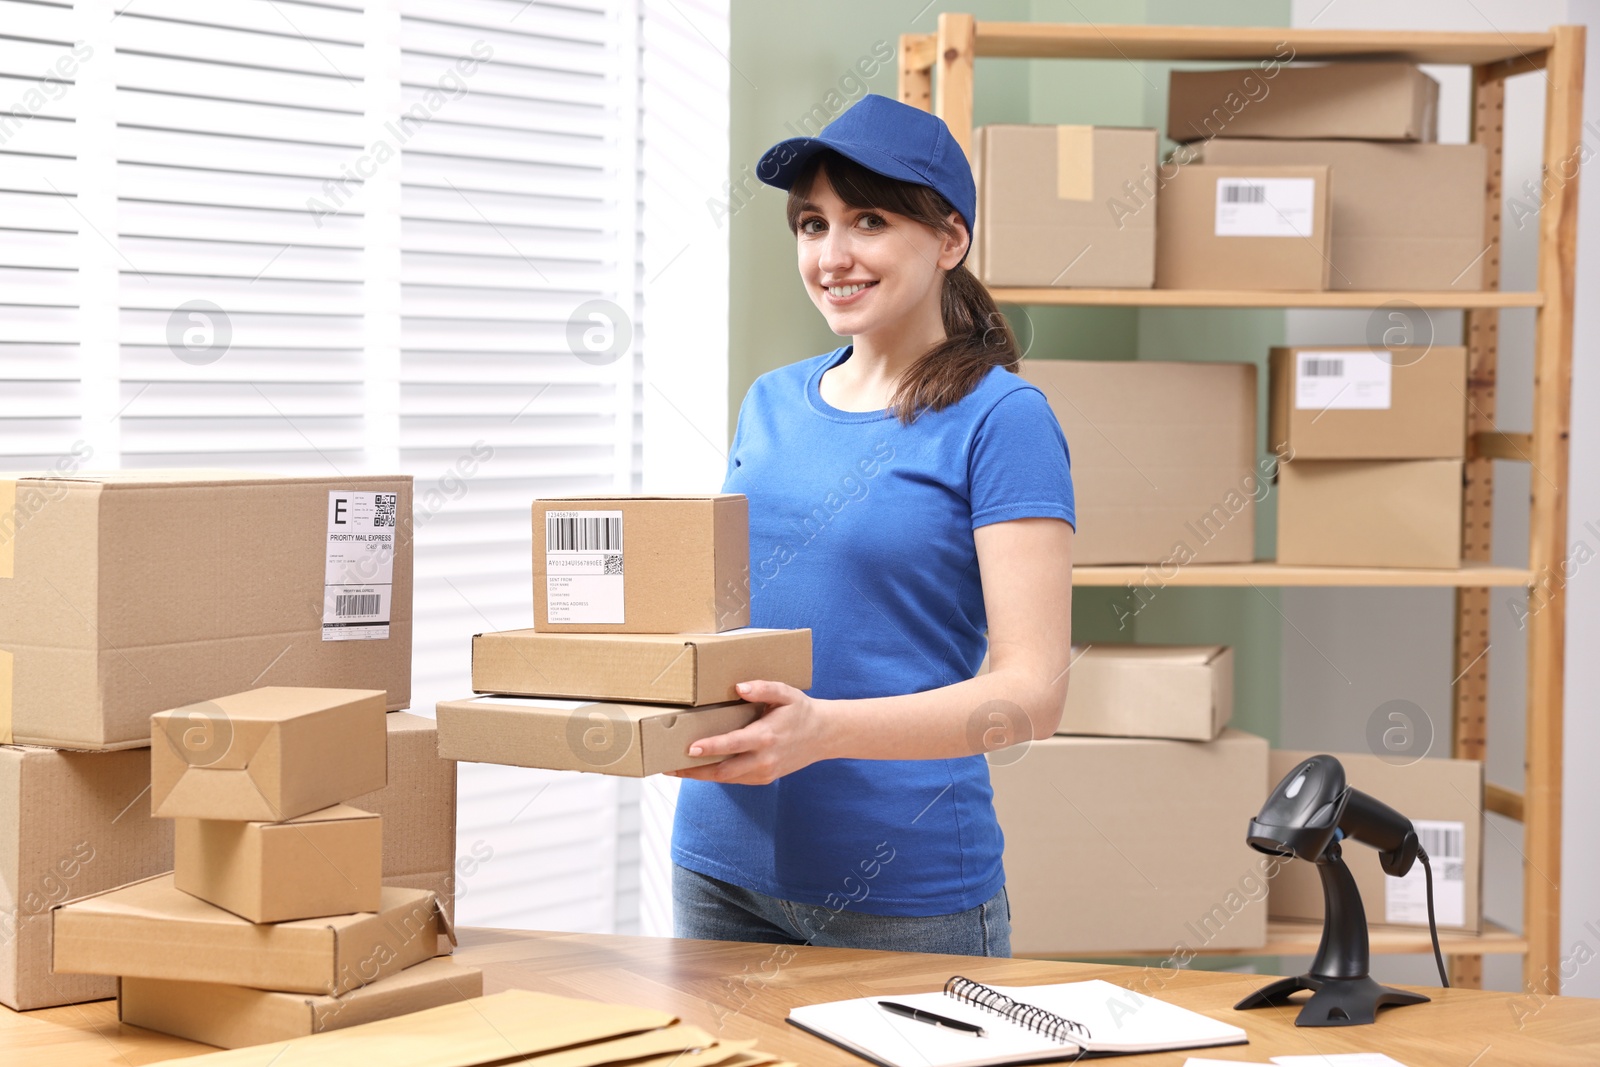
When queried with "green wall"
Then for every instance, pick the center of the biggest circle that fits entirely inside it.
(789, 58)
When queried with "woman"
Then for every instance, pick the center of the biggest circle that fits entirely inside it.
(905, 491)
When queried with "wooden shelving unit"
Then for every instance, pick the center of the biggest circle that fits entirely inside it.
(1557, 56)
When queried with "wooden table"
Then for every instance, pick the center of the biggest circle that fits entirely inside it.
(742, 990)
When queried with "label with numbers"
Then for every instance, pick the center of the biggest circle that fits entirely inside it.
(1266, 207)
(583, 567)
(358, 579)
(1325, 381)
(1406, 899)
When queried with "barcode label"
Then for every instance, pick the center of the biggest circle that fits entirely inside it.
(1357, 381)
(1266, 207)
(584, 567)
(1244, 194)
(348, 604)
(1406, 899)
(358, 580)
(1442, 840)
(575, 533)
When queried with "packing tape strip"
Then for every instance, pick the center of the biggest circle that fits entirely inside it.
(8, 528)
(5, 697)
(1075, 162)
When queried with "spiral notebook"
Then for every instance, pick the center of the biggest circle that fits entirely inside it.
(1022, 1024)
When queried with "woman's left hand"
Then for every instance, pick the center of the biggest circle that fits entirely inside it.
(790, 734)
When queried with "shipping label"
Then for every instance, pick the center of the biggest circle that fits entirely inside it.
(1326, 381)
(1266, 207)
(583, 567)
(1406, 899)
(358, 581)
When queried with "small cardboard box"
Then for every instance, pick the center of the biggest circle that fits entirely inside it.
(1363, 101)
(418, 808)
(1370, 513)
(1444, 800)
(233, 1016)
(1065, 206)
(1250, 227)
(633, 740)
(71, 823)
(688, 669)
(1358, 402)
(1175, 691)
(268, 754)
(1133, 844)
(129, 592)
(329, 862)
(152, 929)
(641, 564)
(1405, 216)
(1163, 457)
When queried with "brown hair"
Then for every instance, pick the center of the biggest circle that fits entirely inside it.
(977, 336)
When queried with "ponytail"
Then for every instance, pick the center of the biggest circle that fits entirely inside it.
(977, 337)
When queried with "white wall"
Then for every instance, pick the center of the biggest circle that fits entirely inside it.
(1396, 643)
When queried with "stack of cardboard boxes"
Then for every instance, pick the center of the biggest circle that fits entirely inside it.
(1125, 831)
(1285, 177)
(641, 614)
(275, 922)
(1376, 439)
(127, 593)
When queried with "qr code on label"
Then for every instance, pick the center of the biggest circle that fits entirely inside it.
(613, 562)
(384, 505)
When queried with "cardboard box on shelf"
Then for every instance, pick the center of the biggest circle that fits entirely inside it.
(641, 564)
(1054, 207)
(633, 740)
(70, 823)
(1405, 216)
(268, 754)
(233, 1016)
(1444, 800)
(688, 669)
(129, 592)
(1359, 402)
(112, 933)
(329, 862)
(1365, 101)
(1163, 457)
(1183, 692)
(1133, 845)
(418, 807)
(1250, 227)
(1370, 513)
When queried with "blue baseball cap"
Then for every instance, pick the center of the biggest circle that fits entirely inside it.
(889, 138)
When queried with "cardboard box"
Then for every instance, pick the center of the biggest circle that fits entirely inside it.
(418, 807)
(268, 754)
(1358, 402)
(1163, 457)
(687, 669)
(1365, 101)
(1444, 800)
(1253, 227)
(114, 932)
(126, 593)
(1405, 216)
(1175, 691)
(632, 740)
(641, 564)
(70, 823)
(1133, 845)
(233, 1016)
(1370, 513)
(329, 862)
(1055, 207)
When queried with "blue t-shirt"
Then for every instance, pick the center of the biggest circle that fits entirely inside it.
(861, 530)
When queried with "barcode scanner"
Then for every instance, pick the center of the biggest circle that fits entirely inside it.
(1306, 817)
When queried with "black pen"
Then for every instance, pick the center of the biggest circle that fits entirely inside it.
(929, 1017)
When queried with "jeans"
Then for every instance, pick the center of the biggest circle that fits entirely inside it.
(713, 910)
